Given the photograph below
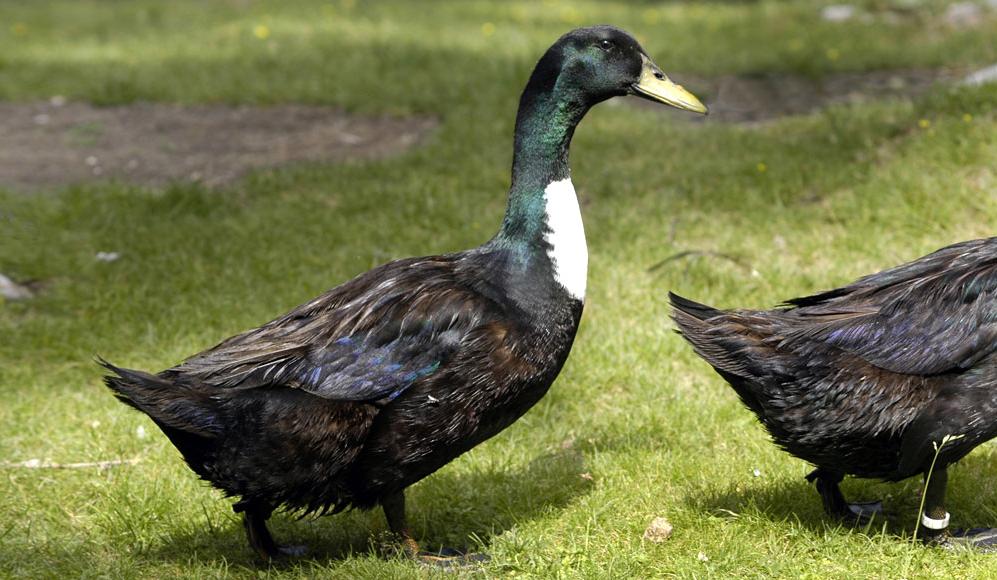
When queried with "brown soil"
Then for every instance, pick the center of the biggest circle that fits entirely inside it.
(751, 99)
(56, 143)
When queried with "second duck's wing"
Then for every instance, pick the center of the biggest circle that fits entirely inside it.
(934, 315)
(366, 340)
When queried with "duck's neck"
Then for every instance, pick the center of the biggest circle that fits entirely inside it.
(542, 218)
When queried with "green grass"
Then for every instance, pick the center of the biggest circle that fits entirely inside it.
(844, 192)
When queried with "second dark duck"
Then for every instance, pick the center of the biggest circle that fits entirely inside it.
(349, 399)
(870, 379)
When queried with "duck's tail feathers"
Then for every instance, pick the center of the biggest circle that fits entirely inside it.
(717, 338)
(689, 308)
(172, 405)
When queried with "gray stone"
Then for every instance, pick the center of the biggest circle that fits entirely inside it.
(11, 290)
(838, 12)
(658, 531)
(981, 77)
(964, 14)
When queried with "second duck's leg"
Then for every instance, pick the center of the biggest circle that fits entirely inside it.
(935, 520)
(254, 520)
(835, 505)
(394, 512)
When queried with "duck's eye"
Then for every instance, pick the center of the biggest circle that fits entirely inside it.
(606, 44)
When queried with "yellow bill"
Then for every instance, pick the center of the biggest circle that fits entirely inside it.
(656, 86)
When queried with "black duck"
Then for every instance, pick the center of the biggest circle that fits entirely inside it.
(349, 399)
(868, 379)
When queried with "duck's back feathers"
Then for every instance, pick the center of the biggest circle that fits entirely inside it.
(934, 315)
(366, 340)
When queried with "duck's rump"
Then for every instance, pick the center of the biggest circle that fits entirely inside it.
(275, 446)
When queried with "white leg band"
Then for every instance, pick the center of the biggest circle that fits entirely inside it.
(933, 524)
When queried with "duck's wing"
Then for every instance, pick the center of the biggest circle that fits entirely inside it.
(934, 315)
(366, 340)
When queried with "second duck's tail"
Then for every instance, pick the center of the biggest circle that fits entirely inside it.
(169, 405)
(727, 340)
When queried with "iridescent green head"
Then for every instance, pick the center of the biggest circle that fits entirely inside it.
(600, 62)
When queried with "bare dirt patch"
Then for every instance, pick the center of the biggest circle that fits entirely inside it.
(52, 144)
(55, 143)
(757, 98)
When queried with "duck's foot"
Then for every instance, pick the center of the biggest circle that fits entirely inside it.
(278, 552)
(976, 539)
(295, 551)
(449, 558)
(855, 514)
(862, 513)
(979, 539)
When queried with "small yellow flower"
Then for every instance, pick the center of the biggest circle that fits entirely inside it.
(924, 123)
(261, 31)
(651, 16)
(488, 29)
(833, 54)
(19, 29)
(761, 167)
(967, 117)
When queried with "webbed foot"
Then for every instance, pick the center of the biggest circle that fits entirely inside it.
(296, 551)
(862, 513)
(279, 552)
(449, 558)
(976, 539)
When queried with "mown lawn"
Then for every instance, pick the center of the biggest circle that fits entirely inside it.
(636, 426)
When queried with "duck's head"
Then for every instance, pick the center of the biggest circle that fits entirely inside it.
(600, 62)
